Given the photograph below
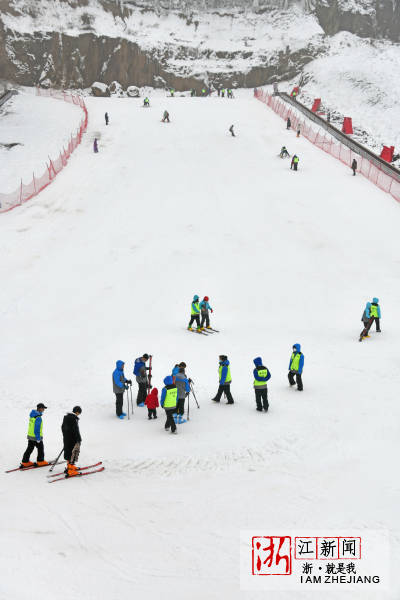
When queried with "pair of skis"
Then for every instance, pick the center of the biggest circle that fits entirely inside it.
(36, 466)
(206, 331)
(61, 475)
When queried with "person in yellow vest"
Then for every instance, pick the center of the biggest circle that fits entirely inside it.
(169, 401)
(35, 438)
(194, 313)
(296, 365)
(372, 312)
(225, 380)
(261, 376)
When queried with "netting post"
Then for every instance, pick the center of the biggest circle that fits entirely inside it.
(34, 182)
(20, 193)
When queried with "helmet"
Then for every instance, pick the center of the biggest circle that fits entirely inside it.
(206, 298)
(195, 298)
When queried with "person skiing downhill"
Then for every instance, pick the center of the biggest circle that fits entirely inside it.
(295, 162)
(288, 123)
(95, 146)
(120, 384)
(152, 403)
(194, 313)
(146, 102)
(296, 364)
(231, 130)
(72, 440)
(165, 117)
(372, 312)
(106, 118)
(183, 387)
(204, 309)
(141, 377)
(354, 166)
(283, 153)
(225, 380)
(261, 376)
(35, 438)
(168, 402)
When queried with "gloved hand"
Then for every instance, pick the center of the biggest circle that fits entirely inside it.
(190, 380)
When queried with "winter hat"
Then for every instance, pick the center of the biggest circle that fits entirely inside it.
(40, 405)
(77, 409)
(206, 298)
(258, 361)
(146, 356)
(195, 298)
(375, 300)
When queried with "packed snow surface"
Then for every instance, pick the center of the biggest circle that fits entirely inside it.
(103, 265)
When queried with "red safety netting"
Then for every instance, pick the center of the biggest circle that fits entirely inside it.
(24, 191)
(324, 140)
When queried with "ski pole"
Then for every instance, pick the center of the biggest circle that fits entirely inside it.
(127, 399)
(56, 461)
(149, 377)
(194, 395)
(188, 410)
(130, 389)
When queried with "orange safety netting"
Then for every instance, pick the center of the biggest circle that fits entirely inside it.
(25, 192)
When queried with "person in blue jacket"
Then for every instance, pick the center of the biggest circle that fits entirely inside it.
(183, 387)
(139, 370)
(261, 376)
(169, 400)
(194, 313)
(225, 380)
(372, 312)
(120, 384)
(35, 438)
(205, 308)
(296, 365)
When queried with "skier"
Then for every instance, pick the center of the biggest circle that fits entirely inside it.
(295, 162)
(35, 438)
(120, 384)
(169, 396)
(218, 91)
(106, 118)
(165, 117)
(204, 92)
(146, 102)
(72, 440)
(223, 93)
(152, 403)
(141, 377)
(231, 130)
(195, 313)
(183, 387)
(354, 166)
(95, 146)
(298, 132)
(261, 376)
(372, 312)
(204, 309)
(193, 92)
(288, 123)
(225, 380)
(296, 365)
(328, 118)
(172, 92)
(284, 152)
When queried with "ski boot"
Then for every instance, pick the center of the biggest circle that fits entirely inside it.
(190, 328)
(25, 465)
(71, 470)
(41, 463)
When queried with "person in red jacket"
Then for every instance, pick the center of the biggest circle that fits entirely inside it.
(152, 403)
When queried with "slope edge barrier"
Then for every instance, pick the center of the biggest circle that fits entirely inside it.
(324, 141)
(25, 192)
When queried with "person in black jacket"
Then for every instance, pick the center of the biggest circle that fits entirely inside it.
(72, 439)
(354, 166)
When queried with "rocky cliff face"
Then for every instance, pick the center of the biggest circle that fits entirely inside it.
(179, 43)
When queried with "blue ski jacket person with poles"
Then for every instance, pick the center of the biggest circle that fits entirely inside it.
(296, 364)
(205, 308)
(261, 376)
(120, 384)
(139, 371)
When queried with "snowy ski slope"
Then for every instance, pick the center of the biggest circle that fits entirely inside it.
(103, 265)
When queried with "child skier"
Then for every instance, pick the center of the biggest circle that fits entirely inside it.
(106, 118)
(95, 146)
(183, 387)
(204, 309)
(372, 312)
(231, 130)
(146, 102)
(72, 440)
(35, 438)
(284, 152)
(354, 166)
(288, 123)
(169, 396)
(165, 118)
(296, 365)
(152, 403)
(195, 313)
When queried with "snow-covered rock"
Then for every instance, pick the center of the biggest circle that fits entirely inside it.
(100, 89)
(133, 91)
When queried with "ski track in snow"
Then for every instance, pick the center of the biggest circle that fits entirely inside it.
(103, 264)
